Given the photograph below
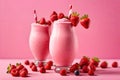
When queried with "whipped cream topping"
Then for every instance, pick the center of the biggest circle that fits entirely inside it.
(63, 20)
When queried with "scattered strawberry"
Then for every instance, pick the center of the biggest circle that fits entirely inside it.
(115, 64)
(24, 69)
(85, 69)
(31, 64)
(50, 63)
(85, 21)
(34, 68)
(10, 67)
(14, 72)
(61, 15)
(27, 62)
(104, 64)
(91, 72)
(19, 67)
(23, 73)
(95, 61)
(74, 18)
(48, 67)
(40, 64)
(74, 67)
(42, 70)
(92, 67)
(63, 72)
(84, 61)
(42, 21)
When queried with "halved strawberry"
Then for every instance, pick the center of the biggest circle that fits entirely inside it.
(85, 21)
(42, 21)
(74, 18)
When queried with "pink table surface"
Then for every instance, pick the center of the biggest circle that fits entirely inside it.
(100, 74)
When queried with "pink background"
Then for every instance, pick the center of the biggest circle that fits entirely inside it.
(102, 39)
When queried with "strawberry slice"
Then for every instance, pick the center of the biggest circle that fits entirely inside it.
(85, 21)
(74, 18)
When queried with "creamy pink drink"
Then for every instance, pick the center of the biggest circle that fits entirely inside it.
(39, 41)
(62, 43)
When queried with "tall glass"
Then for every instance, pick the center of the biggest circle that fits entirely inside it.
(62, 44)
(39, 41)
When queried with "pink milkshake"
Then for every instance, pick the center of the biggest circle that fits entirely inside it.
(39, 41)
(62, 43)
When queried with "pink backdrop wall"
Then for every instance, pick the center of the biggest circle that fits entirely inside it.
(102, 39)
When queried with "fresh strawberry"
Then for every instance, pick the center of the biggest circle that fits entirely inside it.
(74, 67)
(40, 64)
(115, 64)
(61, 15)
(85, 69)
(95, 61)
(84, 61)
(26, 62)
(53, 18)
(92, 67)
(31, 64)
(50, 63)
(42, 21)
(63, 72)
(74, 18)
(48, 67)
(104, 64)
(23, 72)
(42, 70)
(48, 22)
(19, 67)
(53, 13)
(91, 72)
(85, 21)
(34, 68)
(14, 72)
(10, 67)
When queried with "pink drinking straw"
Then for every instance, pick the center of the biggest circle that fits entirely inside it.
(70, 10)
(35, 16)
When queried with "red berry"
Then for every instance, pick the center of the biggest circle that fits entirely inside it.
(40, 64)
(31, 64)
(53, 18)
(42, 70)
(48, 22)
(34, 68)
(74, 18)
(63, 72)
(19, 67)
(24, 70)
(95, 61)
(104, 64)
(74, 67)
(85, 21)
(14, 72)
(115, 64)
(48, 67)
(84, 61)
(27, 62)
(53, 13)
(42, 21)
(85, 69)
(92, 67)
(50, 63)
(23, 73)
(91, 72)
(61, 15)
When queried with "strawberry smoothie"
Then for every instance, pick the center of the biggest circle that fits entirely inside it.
(39, 41)
(62, 43)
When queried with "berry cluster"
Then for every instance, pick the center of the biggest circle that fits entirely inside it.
(17, 70)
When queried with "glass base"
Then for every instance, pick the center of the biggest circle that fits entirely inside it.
(38, 61)
(58, 68)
